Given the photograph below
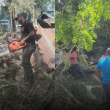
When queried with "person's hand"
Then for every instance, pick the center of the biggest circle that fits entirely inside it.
(22, 42)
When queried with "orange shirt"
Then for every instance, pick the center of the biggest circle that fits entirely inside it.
(74, 56)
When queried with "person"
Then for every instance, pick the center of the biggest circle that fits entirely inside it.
(58, 55)
(73, 62)
(27, 35)
(104, 54)
(104, 66)
(103, 91)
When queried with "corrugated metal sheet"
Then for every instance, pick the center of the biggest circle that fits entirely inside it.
(47, 45)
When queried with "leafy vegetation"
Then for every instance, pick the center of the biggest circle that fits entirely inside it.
(79, 28)
(24, 6)
(85, 23)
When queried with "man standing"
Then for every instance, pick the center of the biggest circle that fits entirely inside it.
(104, 66)
(27, 35)
(73, 62)
(103, 91)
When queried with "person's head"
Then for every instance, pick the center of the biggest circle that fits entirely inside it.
(104, 52)
(21, 18)
(108, 52)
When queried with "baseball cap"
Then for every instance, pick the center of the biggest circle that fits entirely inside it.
(20, 14)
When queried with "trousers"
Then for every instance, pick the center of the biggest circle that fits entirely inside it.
(26, 55)
(107, 92)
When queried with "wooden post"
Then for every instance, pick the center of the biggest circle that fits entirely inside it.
(54, 13)
(35, 15)
(12, 22)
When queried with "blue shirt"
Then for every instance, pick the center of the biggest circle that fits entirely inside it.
(104, 65)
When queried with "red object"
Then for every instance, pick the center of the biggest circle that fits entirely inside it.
(15, 45)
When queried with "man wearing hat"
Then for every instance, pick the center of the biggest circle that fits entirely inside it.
(27, 35)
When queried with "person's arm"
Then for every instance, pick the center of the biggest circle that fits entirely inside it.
(97, 73)
(32, 33)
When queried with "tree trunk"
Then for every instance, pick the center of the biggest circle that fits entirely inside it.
(54, 13)
(12, 22)
(35, 16)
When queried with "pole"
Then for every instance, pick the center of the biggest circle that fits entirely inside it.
(35, 15)
(12, 22)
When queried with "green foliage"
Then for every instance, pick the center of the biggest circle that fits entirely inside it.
(63, 30)
(60, 4)
(4, 13)
(24, 6)
(83, 61)
(79, 28)
(2, 71)
(63, 100)
(4, 29)
(13, 100)
(20, 5)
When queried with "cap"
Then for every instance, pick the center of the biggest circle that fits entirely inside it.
(20, 14)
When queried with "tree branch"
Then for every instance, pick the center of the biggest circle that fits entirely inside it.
(65, 6)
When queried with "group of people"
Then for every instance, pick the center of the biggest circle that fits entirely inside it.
(102, 71)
